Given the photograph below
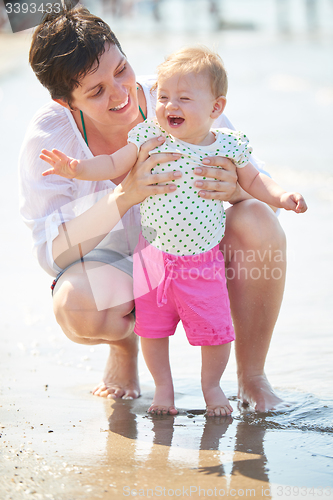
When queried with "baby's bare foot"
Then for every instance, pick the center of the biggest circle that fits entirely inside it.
(155, 409)
(217, 404)
(164, 401)
(218, 411)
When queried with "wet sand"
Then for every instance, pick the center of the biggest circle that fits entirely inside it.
(59, 442)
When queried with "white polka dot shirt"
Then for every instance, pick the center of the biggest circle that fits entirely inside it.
(182, 223)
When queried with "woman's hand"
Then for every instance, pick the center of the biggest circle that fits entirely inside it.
(221, 179)
(140, 182)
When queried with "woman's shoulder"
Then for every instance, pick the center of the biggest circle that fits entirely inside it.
(53, 126)
(223, 122)
(49, 123)
(147, 83)
(48, 118)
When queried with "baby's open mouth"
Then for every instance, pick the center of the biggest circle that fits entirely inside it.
(121, 106)
(174, 121)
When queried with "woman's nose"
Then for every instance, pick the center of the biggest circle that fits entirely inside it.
(117, 93)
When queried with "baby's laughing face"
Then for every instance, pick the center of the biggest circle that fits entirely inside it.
(186, 107)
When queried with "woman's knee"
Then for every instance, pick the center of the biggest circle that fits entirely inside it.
(252, 225)
(81, 317)
(74, 310)
(90, 326)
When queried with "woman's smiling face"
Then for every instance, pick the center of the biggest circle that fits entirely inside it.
(108, 93)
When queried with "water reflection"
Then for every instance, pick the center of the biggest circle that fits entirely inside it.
(214, 429)
(252, 442)
(249, 451)
(205, 448)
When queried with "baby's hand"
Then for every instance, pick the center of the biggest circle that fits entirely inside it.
(61, 164)
(293, 201)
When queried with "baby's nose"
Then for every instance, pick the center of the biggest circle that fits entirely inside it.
(172, 104)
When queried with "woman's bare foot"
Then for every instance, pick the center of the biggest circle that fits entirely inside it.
(163, 402)
(217, 404)
(257, 392)
(120, 378)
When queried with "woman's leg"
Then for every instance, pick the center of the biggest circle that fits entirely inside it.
(254, 252)
(76, 307)
(156, 354)
(214, 360)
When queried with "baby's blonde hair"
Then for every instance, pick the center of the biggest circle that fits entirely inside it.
(196, 60)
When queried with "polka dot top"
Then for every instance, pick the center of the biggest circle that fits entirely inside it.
(182, 223)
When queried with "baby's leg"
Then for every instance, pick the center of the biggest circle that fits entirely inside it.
(214, 360)
(156, 354)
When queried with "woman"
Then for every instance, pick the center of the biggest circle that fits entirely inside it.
(85, 232)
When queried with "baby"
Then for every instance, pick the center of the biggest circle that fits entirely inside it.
(179, 271)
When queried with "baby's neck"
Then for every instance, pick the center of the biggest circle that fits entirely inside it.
(205, 140)
(208, 140)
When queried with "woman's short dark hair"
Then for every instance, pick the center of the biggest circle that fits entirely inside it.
(66, 46)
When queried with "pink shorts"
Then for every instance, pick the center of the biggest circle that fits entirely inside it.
(170, 288)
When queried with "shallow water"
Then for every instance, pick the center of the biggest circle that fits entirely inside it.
(281, 93)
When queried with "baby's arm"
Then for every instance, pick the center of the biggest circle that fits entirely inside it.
(263, 188)
(99, 168)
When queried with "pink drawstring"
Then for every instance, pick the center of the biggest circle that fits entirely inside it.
(164, 284)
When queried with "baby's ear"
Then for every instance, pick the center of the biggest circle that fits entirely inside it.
(218, 107)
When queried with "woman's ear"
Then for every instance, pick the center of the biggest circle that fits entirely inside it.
(63, 103)
(218, 107)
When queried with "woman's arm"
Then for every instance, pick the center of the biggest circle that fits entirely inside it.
(80, 235)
